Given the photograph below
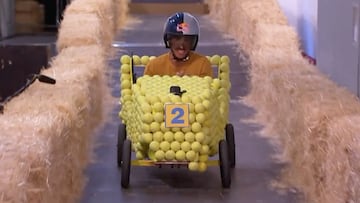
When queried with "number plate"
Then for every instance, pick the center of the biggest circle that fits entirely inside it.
(176, 115)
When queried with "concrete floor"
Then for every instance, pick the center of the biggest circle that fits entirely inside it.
(254, 169)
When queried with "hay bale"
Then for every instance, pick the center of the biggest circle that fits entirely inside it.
(330, 171)
(121, 13)
(312, 120)
(80, 30)
(55, 124)
(105, 10)
(91, 54)
(53, 161)
(295, 105)
(273, 36)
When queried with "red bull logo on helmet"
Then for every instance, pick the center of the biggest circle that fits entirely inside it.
(182, 27)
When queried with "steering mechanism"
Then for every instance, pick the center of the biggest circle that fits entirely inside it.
(176, 90)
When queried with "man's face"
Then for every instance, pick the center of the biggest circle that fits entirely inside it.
(181, 45)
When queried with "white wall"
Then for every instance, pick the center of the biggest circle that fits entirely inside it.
(302, 14)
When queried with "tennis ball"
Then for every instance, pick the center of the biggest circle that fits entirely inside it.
(147, 137)
(185, 146)
(189, 137)
(125, 84)
(200, 117)
(158, 107)
(180, 155)
(145, 60)
(169, 136)
(179, 136)
(155, 145)
(215, 59)
(136, 59)
(224, 67)
(200, 137)
(159, 155)
(145, 128)
(158, 136)
(196, 146)
(190, 155)
(216, 84)
(225, 59)
(196, 127)
(125, 59)
(163, 128)
(199, 108)
(146, 108)
(206, 103)
(154, 127)
(139, 155)
(125, 68)
(193, 166)
(125, 76)
(202, 166)
(203, 157)
(204, 149)
(158, 117)
(147, 118)
(164, 146)
(170, 155)
(175, 146)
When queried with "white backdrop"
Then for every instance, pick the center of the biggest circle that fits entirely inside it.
(302, 14)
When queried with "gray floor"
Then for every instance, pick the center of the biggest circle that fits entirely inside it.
(254, 168)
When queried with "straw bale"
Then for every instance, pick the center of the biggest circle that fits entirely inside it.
(273, 36)
(46, 140)
(80, 30)
(329, 173)
(295, 105)
(313, 121)
(48, 130)
(79, 55)
(105, 10)
(250, 13)
(122, 10)
(266, 64)
(57, 146)
(265, 11)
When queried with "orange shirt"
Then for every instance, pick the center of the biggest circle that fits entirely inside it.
(196, 65)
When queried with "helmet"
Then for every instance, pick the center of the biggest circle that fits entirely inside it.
(181, 23)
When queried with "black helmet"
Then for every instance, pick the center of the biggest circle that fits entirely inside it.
(181, 23)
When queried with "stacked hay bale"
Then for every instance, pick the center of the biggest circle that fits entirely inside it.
(121, 12)
(46, 131)
(84, 12)
(313, 120)
(143, 113)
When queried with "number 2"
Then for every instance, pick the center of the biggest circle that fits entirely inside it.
(179, 113)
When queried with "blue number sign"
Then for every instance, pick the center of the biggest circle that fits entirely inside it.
(176, 115)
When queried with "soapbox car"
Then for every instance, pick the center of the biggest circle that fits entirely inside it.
(175, 121)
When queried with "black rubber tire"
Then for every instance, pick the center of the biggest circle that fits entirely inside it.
(230, 139)
(120, 142)
(126, 162)
(224, 164)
